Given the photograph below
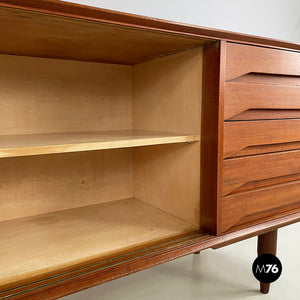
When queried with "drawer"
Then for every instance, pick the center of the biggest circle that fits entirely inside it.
(260, 136)
(245, 59)
(261, 83)
(252, 172)
(262, 100)
(254, 206)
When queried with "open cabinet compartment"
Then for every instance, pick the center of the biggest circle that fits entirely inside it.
(96, 158)
(100, 125)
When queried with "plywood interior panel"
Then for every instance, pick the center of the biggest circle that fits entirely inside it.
(47, 102)
(167, 95)
(64, 208)
(41, 244)
(48, 95)
(46, 183)
(168, 177)
(70, 86)
(44, 35)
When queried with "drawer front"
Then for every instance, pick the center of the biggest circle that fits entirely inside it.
(256, 171)
(260, 186)
(261, 138)
(244, 59)
(258, 100)
(261, 100)
(253, 206)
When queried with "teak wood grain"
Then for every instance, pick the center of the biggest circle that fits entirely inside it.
(240, 97)
(239, 135)
(212, 134)
(254, 185)
(239, 197)
(56, 7)
(268, 79)
(84, 40)
(240, 171)
(245, 207)
(267, 114)
(244, 59)
(264, 149)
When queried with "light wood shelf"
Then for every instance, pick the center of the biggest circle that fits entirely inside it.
(36, 144)
(39, 244)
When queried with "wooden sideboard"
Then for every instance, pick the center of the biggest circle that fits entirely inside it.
(127, 142)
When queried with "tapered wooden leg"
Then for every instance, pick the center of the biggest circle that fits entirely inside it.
(267, 243)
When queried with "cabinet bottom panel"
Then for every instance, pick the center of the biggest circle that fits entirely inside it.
(34, 246)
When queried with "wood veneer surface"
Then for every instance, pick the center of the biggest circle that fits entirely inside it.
(29, 144)
(167, 96)
(39, 95)
(40, 244)
(39, 34)
(41, 184)
(63, 8)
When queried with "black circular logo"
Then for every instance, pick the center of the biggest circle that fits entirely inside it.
(267, 268)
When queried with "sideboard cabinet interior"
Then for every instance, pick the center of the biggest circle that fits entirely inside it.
(124, 144)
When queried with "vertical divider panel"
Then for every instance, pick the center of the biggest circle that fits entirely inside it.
(214, 56)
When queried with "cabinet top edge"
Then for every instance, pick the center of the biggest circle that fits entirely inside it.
(79, 11)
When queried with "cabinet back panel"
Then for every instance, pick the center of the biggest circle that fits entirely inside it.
(47, 95)
(47, 183)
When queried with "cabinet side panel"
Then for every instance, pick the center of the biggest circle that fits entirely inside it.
(211, 135)
(47, 183)
(167, 97)
(167, 93)
(39, 95)
(167, 177)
